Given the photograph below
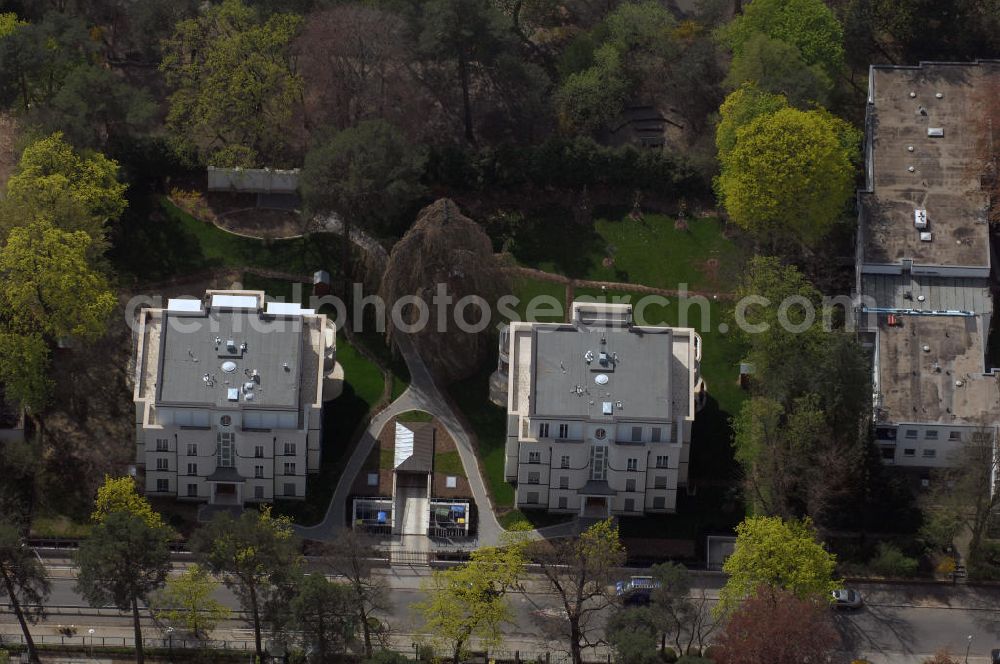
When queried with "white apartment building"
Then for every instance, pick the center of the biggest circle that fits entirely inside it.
(229, 394)
(599, 412)
(923, 260)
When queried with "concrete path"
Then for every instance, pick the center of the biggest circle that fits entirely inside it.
(422, 394)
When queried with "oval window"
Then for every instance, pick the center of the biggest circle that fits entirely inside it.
(225, 420)
(600, 434)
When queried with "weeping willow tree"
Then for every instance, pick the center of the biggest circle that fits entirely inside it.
(441, 280)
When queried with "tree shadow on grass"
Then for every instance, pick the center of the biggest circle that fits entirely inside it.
(551, 238)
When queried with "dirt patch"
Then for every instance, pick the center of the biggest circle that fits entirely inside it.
(262, 223)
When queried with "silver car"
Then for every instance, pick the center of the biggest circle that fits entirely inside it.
(845, 598)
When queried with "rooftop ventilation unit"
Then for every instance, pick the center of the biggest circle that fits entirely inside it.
(940, 95)
(603, 358)
(231, 345)
(229, 366)
(935, 132)
(588, 356)
(920, 219)
(601, 379)
(233, 394)
(248, 386)
(926, 236)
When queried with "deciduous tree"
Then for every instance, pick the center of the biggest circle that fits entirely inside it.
(186, 600)
(350, 556)
(778, 627)
(591, 99)
(121, 563)
(119, 494)
(24, 581)
(323, 612)
(24, 369)
(808, 25)
(234, 82)
(71, 190)
(257, 556)
(471, 600)
(368, 174)
(633, 634)
(580, 571)
(775, 66)
(773, 554)
(739, 109)
(788, 174)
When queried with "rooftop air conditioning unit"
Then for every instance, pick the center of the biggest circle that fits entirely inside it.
(925, 236)
(935, 132)
(920, 219)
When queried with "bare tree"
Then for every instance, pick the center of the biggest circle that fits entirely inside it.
(352, 555)
(580, 571)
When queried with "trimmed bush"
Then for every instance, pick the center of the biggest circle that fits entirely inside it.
(890, 561)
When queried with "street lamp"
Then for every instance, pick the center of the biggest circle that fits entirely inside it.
(170, 643)
(91, 632)
(967, 648)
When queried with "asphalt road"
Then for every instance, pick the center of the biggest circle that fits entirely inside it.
(898, 623)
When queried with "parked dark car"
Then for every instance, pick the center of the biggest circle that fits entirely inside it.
(637, 591)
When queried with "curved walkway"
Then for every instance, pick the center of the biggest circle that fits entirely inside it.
(422, 394)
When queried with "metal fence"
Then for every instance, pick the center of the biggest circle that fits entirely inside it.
(87, 641)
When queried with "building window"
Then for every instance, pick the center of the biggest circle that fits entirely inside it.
(289, 489)
(289, 468)
(931, 434)
(289, 449)
(660, 482)
(632, 465)
(451, 481)
(258, 472)
(532, 498)
(225, 442)
(258, 451)
(655, 434)
(630, 485)
(564, 482)
(192, 469)
(192, 490)
(563, 502)
(630, 504)
(636, 434)
(930, 454)
(162, 464)
(955, 435)
(659, 503)
(911, 434)
(534, 478)
(534, 457)
(192, 449)
(372, 479)
(600, 434)
(564, 431)
(258, 492)
(599, 463)
(909, 451)
(162, 486)
(662, 461)
(543, 430)
(162, 445)
(564, 462)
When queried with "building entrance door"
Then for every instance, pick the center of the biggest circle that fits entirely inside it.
(595, 507)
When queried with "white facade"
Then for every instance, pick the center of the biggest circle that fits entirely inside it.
(593, 438)
(193, 438)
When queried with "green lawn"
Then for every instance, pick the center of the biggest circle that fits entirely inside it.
(538, 300)
(174, 243)
(489, 423)
(650, 252)
(449, 463)
(414, 416)
(279, 289)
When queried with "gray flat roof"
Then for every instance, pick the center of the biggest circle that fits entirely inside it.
(946, 169)
(637, 372)
(903, 291)
(941, 385)
(188, 352)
